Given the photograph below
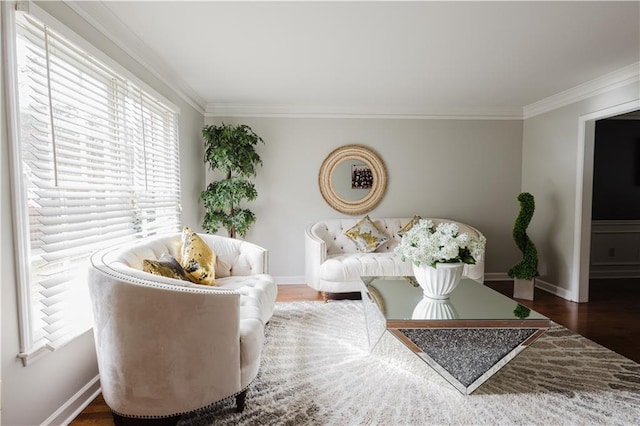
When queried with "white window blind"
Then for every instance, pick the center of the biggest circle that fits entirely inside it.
(99, 165)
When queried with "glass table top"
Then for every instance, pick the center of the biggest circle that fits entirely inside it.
(466, 338)
(401, 302)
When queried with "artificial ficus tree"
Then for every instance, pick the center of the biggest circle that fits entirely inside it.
(230, 149)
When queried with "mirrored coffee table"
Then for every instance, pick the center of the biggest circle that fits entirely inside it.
(466, 338)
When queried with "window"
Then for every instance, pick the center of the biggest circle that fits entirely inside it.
(97, 164)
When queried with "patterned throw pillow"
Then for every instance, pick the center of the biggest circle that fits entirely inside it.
(366, 235)
(198, 260)
(409, 225)
(166, 266)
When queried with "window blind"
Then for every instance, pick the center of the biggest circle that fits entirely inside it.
(99, 166)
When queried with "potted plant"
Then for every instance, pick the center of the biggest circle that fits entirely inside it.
(524, 273)
(230, 149)
(438, 255)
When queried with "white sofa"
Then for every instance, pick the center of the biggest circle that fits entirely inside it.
(333, 265)
(167, 347)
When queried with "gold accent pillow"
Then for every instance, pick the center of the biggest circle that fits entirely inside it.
(166, 266)
(366, 235)
(198, 260)
(409, 225)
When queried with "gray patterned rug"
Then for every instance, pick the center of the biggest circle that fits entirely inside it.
(316, 370)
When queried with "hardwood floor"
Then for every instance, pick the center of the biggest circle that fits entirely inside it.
(611, 318)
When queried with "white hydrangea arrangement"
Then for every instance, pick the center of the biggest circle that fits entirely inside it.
(422, 244)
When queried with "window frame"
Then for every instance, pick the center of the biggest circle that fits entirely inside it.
(29, 352)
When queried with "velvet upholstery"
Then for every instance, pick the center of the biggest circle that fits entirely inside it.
(167, 347)
(334, 265)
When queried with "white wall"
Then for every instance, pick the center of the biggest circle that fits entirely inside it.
(467, 170)
(34, 393)
(549, 172)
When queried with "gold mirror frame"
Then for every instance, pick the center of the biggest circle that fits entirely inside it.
(359, 153)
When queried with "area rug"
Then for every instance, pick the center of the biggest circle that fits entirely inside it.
(316, 370)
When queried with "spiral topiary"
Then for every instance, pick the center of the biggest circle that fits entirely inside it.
(528, 268)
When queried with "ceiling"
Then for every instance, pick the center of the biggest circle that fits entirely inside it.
(418, 58)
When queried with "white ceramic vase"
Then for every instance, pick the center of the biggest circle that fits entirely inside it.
(434, 309)
(438, 282)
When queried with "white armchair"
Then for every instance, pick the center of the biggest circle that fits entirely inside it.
(167, 347)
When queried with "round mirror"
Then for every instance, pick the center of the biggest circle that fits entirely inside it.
(352, 179)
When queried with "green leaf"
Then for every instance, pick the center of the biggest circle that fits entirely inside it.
(528, 267)
(230, 149)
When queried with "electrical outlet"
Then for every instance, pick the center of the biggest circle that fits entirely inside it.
(612, 252)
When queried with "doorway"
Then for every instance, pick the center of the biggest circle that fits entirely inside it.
(584, 195)
(615, 225)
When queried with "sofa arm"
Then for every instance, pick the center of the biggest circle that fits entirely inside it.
(475, 271)
(251, 259)
(237, 257)
(315, 253)
(193, 335)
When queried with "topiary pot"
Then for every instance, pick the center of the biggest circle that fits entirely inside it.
(523, 288)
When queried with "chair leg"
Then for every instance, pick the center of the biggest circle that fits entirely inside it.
(240, 400)
(118, 420)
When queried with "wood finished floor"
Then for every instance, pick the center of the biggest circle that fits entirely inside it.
(611, 318)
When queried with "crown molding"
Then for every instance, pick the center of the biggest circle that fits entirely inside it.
(622, 77)
(109, 25)
(305, 111)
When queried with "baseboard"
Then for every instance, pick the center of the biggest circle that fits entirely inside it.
(613, 274)
(74, 406)
(541, 284)
(490, 276)
(497, 276)
(294, 279)
(554, 289)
